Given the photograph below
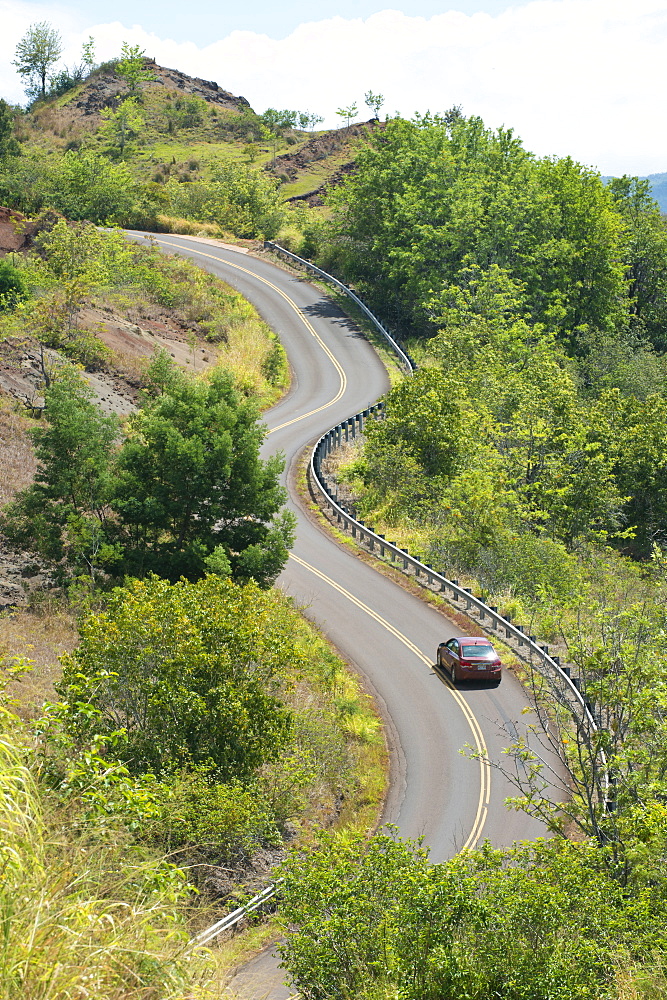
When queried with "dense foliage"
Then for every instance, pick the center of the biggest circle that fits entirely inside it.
(213, 713)
(375, 919)
(187, 671)
(433, 197)
(105, 831)
(185, 485)
(539, 296)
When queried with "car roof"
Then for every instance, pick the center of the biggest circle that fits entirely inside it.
(478, 640)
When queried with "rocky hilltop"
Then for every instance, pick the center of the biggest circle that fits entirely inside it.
(104, 88)
(78, 111)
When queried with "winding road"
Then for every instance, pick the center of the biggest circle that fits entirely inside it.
(387, 634)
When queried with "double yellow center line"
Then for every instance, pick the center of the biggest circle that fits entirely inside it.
(477, 735)
(306, 322)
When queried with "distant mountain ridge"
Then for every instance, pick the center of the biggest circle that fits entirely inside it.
(659, 189)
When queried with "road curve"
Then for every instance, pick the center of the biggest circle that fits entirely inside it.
(388, 635)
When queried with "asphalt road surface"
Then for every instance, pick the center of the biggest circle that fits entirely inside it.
(388, 635)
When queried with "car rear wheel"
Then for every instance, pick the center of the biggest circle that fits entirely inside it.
(455, 675)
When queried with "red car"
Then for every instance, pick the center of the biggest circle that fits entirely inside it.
(469, 658)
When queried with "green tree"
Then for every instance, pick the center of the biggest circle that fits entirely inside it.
(88, 54)
(64, 513)
(38, 50)
(276, 123)
(131, 67)
(641, 466)
(12, 286)
(86, 185)
(122, 124)
(606, 779)
(190, 482)
(308, 120)
(645, 257)
(189, 672)
(429, 197)
(348, 113)
(374, 102)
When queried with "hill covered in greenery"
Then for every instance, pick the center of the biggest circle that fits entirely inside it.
(153, 148)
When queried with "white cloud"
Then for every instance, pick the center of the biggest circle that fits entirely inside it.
(572, 77)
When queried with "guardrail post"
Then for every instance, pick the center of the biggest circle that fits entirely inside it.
(405, 561)
(468, 604)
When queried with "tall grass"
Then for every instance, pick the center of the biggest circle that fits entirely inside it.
(80, 919)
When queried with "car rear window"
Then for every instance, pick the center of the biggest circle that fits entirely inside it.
(480, 652)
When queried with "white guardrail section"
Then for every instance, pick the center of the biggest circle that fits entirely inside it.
(205, 937)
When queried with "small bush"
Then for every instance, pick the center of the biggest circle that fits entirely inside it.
(12, 286)
(187, 227)
(223, 821)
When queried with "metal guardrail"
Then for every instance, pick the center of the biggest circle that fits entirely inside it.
(538, 654)
(406, 361)
(226, 923)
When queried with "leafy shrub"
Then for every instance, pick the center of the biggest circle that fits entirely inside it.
(12, 286)
(190, 672)
(223, 822)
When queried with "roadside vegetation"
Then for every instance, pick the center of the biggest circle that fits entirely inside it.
(199, 726)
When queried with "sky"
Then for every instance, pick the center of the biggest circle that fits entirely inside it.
(579, 78)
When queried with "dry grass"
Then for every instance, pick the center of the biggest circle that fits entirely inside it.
(188, 227)
(41, 637)
(17, 458)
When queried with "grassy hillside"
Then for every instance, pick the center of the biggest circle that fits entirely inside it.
(178, 148)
